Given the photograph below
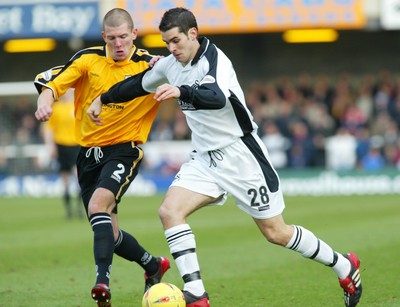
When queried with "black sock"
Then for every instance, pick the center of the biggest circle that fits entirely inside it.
(129, 248)
(67, 196)
(67, 203)
(103, 245)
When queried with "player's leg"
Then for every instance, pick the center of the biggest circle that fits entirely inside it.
(100, 206)
(261, 197)
(99, 213)
(63, 157)
(73, 153)
(178, 204)
(121, 165)
(127, 246)
(192, 189)
(99, 200)
(303, 241)
(66, 193)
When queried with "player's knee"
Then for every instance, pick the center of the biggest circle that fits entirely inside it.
(272, 237)
(275, 236)
(96, 207)
(164, 213)
(170, 216)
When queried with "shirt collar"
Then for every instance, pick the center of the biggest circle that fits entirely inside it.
(128, 58)
(204, 42)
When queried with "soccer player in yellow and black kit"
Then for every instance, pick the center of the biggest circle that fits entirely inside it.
(109, 157)
(64, 148)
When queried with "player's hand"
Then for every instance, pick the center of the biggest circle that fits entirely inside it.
(154, 60)
(44, 112)
(95, 110)
(44, 105)
(166, 91)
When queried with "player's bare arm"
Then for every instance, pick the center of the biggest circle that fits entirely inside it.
(44, 105)
(95, 110)
(166, 91)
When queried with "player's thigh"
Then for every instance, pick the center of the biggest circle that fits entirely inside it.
(253, 183)
(196, 185)
(119, 170)
(184, 201)
(102, 200)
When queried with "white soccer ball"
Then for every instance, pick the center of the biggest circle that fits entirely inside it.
(163, 295)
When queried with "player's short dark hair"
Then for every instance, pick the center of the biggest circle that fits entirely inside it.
(178, 17)
(116, 17)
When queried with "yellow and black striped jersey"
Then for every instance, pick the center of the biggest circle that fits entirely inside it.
(92, 72)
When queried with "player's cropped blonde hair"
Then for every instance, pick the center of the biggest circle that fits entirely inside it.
(116, 17)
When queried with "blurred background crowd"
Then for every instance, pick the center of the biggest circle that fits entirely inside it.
(340, 122)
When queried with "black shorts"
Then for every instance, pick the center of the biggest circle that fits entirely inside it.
(67, 157)
(111, 167)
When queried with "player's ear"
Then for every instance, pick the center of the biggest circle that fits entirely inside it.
(134, 33)
(193, 34)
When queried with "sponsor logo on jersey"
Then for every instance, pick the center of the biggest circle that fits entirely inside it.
(263, 208)
(207, 80)
(47, 75)
(186, 106)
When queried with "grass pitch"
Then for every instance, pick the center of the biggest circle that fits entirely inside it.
(47, 261)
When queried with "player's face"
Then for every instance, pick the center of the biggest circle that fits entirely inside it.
(183, 46)
(119, 40)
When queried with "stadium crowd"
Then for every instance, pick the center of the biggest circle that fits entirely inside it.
(342, 122)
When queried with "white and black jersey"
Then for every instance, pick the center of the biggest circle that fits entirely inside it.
(229, 156)
(211, 97)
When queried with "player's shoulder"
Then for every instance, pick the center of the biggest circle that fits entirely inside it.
(50, 73)
(141, 52)
(95, 50)
(44, 77)
(140, 55)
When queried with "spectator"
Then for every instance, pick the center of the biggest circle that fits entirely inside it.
(373, 161)
(392, 155)
(353, 119)
(362, 140)
(301, 152)
(341, 151)
(364, 100)
(276, 143)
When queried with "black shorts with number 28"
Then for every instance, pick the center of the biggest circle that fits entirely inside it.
(111, 167)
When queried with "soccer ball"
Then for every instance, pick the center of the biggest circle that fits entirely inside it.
(164, 295)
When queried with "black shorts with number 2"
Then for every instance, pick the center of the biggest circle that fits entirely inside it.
(111, 167)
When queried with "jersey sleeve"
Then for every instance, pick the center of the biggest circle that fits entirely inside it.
(45, 77)
(138, 85)
(125, 90)
(209, 94)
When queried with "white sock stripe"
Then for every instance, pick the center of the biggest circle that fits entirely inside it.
(176, 236)
(101, 222)
(106, 217)
(298, 234)
(120, 238)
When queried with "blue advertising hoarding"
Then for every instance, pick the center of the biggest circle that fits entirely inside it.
(58, 20)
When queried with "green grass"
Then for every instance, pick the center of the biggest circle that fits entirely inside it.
(47, 261)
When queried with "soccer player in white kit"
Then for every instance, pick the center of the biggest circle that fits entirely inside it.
(228, 156)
